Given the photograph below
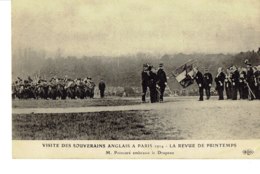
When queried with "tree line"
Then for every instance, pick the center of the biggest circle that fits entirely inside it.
(124, 71)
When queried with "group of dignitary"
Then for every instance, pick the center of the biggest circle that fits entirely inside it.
(155, 81)
(236, 81)
(244, 81)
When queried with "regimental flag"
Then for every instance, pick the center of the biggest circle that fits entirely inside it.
(184, 74)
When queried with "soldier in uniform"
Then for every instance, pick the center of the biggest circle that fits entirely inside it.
(219, 79)
(145, 79)
(152, 84)
(162, 80)
(228, 84)
(235, 82)
(257, 79)
(207, 82)
(200, 81)
(102, 87)
(242, 85)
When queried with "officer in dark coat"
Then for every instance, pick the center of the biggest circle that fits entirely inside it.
(207, 82)
(145, 79)
(219, 79)
(102, 87)
(257, 81)
(162, 80)
(242, 89)
(228, 84)
(152, 84)
(200, 81)
(235, 82)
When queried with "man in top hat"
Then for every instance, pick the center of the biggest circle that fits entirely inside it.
(145, 79)
(207, 82)
(162, 80)
(199, 79)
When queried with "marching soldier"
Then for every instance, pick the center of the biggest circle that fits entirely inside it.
(228, 84)
(199, 79)
(145, 79)
(207, 82)
(219, 79)
(162, 80)
(235, 82)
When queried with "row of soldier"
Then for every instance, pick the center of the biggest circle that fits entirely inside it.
(242, 81)
(54, 88)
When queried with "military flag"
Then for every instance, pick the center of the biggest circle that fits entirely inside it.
(184, 74)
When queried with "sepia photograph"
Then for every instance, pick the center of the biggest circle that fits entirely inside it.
(127, 74)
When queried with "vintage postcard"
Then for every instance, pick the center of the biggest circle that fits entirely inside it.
(136, 79)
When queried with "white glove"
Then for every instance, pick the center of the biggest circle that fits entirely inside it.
(199, 85)
(165, 83)
(209, 84)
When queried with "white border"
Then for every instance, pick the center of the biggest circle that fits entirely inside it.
(86, 166)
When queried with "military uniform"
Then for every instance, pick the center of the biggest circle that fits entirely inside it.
(145, 79)
(219, 79)
(200, 81)
(235, 84)
(162, 81)
(257, 81)
(152, 86)
(228, 85)
(243, 91)
(207, 83)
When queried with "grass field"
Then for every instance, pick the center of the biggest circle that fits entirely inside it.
(177, 118)
(115, 101)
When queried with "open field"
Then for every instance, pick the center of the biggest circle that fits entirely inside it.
(177, 118)
(115, 101)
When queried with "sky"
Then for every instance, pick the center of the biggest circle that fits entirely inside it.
(119, 27)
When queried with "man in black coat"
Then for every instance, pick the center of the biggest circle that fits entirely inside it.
(152, 84)
(102, 87)
(228, 84)
(235, 82)
(243, 91)
(162, 80)
(250, 80)
(207, 82)
(200, 81)
(145, 80)
(220, 78)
